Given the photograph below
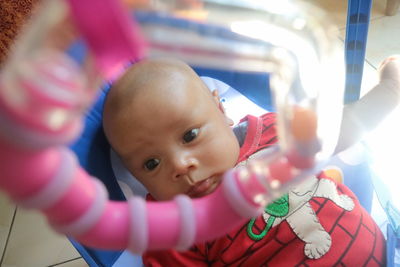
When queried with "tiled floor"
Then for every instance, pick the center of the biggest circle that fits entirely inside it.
(27, 241)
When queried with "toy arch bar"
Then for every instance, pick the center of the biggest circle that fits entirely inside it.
(39, 172)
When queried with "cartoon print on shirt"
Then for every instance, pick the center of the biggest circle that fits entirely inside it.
(295, 208)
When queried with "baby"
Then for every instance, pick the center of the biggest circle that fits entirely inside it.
(169, 130)
(173, 135)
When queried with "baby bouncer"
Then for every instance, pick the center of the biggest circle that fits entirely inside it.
(238, 57)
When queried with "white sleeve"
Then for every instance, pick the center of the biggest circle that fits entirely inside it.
(366, 114)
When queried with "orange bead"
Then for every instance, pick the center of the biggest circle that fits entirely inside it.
(304, 124)
(334, 173)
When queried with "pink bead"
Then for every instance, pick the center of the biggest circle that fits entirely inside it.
(164, 224)
(59, 184)
(188, 223)
(215, 215)
(246, 188)
(75, 202)
(24, 172)
(138, 236)
(299, 161)
(112, 230)
(113, 42)
(21, 131)
(240, 193)
(281, 170)
(91, 216)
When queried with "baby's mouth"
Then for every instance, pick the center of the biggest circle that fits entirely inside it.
(203, 188)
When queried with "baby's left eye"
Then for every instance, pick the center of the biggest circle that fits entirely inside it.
(189, 136)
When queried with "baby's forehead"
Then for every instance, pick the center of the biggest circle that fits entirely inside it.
(143, 88)
(155, 102)
(163, 88)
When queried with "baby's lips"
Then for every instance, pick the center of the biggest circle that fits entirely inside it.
(201, 187)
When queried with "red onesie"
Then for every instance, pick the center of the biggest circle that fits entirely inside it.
(319, 223)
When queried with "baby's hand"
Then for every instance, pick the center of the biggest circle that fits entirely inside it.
(366, 113)
(389, 72)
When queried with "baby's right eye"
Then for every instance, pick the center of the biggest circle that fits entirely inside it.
(151, 164)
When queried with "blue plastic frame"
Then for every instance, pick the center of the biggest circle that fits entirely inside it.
(358, 15)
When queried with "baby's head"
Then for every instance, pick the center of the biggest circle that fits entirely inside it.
(170, 131)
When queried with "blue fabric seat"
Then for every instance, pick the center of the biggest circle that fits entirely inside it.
(93, 152)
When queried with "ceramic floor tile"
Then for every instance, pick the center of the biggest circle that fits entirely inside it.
(73, 263)
(383, 39)
(337, 10)
(6, 214)
(32, 243)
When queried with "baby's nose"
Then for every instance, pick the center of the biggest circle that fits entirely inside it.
(184, 165)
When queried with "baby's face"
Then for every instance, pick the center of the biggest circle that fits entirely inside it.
(181, 143)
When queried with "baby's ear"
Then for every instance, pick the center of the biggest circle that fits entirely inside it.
(216, 96)
(221, 106)
(217, 101)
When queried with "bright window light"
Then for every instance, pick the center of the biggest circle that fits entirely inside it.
(385, 147)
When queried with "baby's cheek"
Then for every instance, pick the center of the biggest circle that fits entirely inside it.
(226, 154)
